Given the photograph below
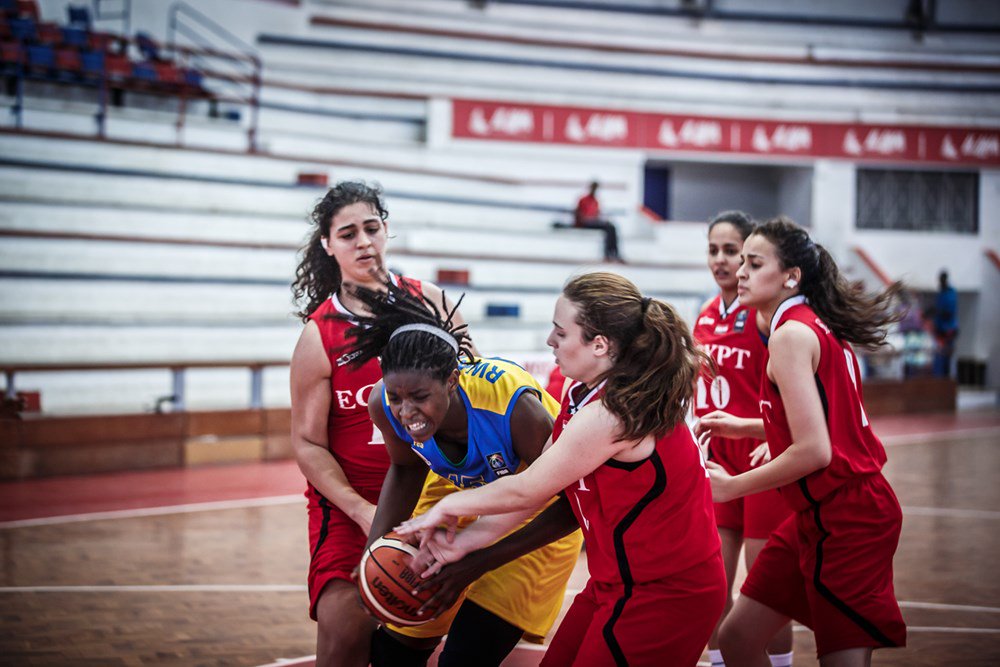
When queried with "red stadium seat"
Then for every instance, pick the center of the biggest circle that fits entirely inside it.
(68, 59)
(49, 33)
(117, 67)
(28, 8)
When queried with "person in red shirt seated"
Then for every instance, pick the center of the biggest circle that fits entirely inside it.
(588, 215)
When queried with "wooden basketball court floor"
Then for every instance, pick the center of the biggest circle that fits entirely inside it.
(207, 566)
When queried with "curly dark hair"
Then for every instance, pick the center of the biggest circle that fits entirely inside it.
(415, 350)
(852, 315)
(318, 275)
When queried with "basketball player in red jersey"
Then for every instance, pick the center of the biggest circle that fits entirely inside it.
(339, 451)
(726, 404)
(828, 566)
(633, 474)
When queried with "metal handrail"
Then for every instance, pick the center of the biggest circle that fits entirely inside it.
(186, 21)
(177, 370)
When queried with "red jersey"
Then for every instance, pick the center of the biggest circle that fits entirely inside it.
(730, 338)
(856, 449)
(353, 439)
(588, 207)
(644, 520)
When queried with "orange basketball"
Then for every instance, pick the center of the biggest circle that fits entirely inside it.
(387, 582)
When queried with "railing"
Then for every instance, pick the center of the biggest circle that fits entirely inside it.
(872, 266)
(177, 370)
(994, 258)
(239, 68)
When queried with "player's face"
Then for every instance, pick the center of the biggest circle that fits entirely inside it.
(357, 242)
(724, 247)
(576, 357)
(419, 401)
(760, 276)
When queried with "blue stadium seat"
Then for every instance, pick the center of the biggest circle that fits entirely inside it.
(144, 72)
(41, 55)
(93, 62)
(147, 46)
(74, 37)
(79, 17)
(193, 77)
(503, 310)
(24, 30)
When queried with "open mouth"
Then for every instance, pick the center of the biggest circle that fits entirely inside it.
(416, 427)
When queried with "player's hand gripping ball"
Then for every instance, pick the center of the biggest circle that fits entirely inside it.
(387, 582)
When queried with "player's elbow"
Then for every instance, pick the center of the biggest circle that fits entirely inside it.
(821, 453)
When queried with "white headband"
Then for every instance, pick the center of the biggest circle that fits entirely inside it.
(431, 329)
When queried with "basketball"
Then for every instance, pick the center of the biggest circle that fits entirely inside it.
(387, 582)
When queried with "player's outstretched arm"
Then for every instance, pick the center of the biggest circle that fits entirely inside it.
(467, 562)
(587, 442)
(795, 354)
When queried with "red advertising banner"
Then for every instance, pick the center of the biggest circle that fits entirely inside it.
(580, 126)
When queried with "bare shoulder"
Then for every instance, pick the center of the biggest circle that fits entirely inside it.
(793, 335)
(596, 422)
(794, 346)
(309, 353)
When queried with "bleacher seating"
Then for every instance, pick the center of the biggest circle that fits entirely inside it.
(150, 245)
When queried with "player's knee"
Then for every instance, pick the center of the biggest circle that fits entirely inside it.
(738, 639)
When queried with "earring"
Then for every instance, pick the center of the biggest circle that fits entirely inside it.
(791, 283)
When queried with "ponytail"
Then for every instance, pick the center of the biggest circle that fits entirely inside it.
(853, 316)
(655, 361)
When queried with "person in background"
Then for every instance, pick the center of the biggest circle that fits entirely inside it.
(587, 215)
(945, 325)
(726, 405)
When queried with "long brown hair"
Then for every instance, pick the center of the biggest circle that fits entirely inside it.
(655, 361)
(852, 315)
(318, 275)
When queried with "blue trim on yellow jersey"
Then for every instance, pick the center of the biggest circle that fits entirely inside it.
(489, 389)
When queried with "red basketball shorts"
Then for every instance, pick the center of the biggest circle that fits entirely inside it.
(830, 568)
(336, 544)
(755, 516)
(608, 625)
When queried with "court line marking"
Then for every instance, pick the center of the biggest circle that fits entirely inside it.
(156, 511)
(161, 588)
(299, 588)
(949, 607)
(888, 441)
(934, 436)
(950, 512)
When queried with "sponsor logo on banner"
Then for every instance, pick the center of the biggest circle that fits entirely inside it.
(506, 121)
(604, 127)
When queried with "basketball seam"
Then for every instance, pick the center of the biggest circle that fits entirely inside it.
(370, 598)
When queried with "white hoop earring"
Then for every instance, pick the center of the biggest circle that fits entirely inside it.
(791, 283)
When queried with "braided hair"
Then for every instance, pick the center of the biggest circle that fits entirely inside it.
(413, 350)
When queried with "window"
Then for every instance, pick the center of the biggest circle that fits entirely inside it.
(921, 201)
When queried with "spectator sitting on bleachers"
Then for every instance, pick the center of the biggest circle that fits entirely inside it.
(588, 215)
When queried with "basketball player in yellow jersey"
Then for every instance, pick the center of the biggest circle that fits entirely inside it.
(470, 424)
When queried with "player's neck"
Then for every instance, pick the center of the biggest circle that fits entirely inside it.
(728, 297)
